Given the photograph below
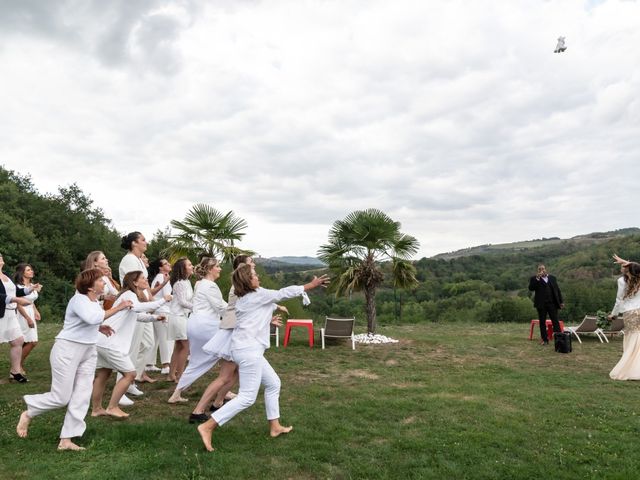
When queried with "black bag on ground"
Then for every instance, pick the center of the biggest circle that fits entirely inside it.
(562, 342)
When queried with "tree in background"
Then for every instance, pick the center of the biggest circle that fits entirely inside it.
(355, 248)
(207, 232)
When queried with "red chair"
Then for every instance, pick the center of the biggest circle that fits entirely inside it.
(308, 324)
(548, 324)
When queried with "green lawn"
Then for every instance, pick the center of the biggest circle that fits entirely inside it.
(447, 402)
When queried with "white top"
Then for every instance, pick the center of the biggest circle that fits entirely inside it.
(182, 294)
(124, 322)
(625, 304)
(253, 314)
(207, 299)
(131, 263)
(163, 292)
(81, 320)
(109, 289)
(229, 315)
(30, 309)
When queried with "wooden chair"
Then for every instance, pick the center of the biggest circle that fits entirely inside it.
(275, 332)
(338, 328)
(617, 325)
(589, 324)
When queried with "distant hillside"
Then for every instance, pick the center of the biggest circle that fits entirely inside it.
(288, 264)
(581, 240)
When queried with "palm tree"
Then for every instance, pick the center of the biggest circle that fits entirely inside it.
(355, 249)
(207, 232)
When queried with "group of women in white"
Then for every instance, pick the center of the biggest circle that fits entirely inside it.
(120, 327)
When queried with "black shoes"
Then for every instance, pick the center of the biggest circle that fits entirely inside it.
(18, 377)
(198, 418)
(544, 342)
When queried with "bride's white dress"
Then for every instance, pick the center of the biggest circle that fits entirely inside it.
(628, 367)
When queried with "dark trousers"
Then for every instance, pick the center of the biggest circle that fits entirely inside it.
(552, 310)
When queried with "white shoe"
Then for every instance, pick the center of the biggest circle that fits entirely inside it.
(165, 371)
(125, 401)
(135, 391)
(151, 368)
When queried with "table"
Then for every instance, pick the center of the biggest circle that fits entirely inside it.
(548, 324)
(294, 322)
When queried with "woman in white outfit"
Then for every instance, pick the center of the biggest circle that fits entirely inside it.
(28, 315)
(98, 259)
(181, 307)
(254, 310)
(113, 351)
(628, 303)
(162, 345)
(208, 307)
(73, 361)
(10, 332)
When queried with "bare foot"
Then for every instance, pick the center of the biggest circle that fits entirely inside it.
(279, 430)
(23, 425)
(177, 399)
(230, 396)
(66, 444)
(171, 379)
(116, 412)
(99, 412)
(206, 431)
(146, 379)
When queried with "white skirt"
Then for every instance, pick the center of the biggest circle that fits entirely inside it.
(220, 344)
(9, 327)
(29, 334)
(177, 327)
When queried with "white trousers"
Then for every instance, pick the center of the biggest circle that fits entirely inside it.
(73, 367)
(200, 329)
(162, 344)
(147, 340)
(254, 371)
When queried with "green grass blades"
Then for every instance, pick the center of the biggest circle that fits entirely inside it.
(460, 401)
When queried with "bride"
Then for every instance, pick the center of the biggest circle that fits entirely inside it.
(628, 303)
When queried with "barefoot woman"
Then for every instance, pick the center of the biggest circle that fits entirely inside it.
(73, 360)
(254, 311)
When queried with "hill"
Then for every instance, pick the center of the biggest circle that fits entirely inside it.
(581, 240)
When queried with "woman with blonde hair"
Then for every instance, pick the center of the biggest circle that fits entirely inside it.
(97, 259)
(113, 351)
(208, 307)
(250, 339)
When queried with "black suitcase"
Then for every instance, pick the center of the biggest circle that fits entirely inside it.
(562, 342)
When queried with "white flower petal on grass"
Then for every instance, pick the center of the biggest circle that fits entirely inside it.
(370, 338)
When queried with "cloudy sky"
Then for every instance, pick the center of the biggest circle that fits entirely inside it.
(454, 117)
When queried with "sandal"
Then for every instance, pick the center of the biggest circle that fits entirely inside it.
(18, 377)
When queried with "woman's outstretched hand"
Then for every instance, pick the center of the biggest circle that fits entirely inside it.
(619, 260)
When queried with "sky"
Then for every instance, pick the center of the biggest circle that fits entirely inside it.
(453, 117)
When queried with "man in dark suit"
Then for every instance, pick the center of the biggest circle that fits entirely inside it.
(547, 300)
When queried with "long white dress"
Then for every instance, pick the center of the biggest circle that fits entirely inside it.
(628, 367)
(29, 334)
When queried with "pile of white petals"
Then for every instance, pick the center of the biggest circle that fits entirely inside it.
(370, 338)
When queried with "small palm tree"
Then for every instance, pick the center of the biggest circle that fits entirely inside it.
(355, 249)
(206, 231)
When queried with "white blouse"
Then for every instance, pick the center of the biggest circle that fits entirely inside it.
(207, 299)
(163, 292)
(81, 320)
(181, 304)
(253, 315)
(131, 263)
(124, 322)
(625, 304)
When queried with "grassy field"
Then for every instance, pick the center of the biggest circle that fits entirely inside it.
(447, 402)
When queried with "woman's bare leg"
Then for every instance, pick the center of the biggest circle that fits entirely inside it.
(227, 373)
(119, 390)
(99, 385)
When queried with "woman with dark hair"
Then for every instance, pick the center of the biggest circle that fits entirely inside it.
(113, 351)
(181, 307)
(28, 315)
(628, 304)
(135, 244)
(254, 310)
(159, 271)
(73, 360)
(10, 332)
(208, 307)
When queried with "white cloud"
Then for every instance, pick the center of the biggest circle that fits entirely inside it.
(455, 118)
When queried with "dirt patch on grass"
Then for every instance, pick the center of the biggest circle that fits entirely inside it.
(364, 374)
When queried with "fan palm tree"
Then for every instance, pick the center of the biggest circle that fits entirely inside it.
(207, 232)
(356, 247)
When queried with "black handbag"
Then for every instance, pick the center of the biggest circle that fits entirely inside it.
(562, 342)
